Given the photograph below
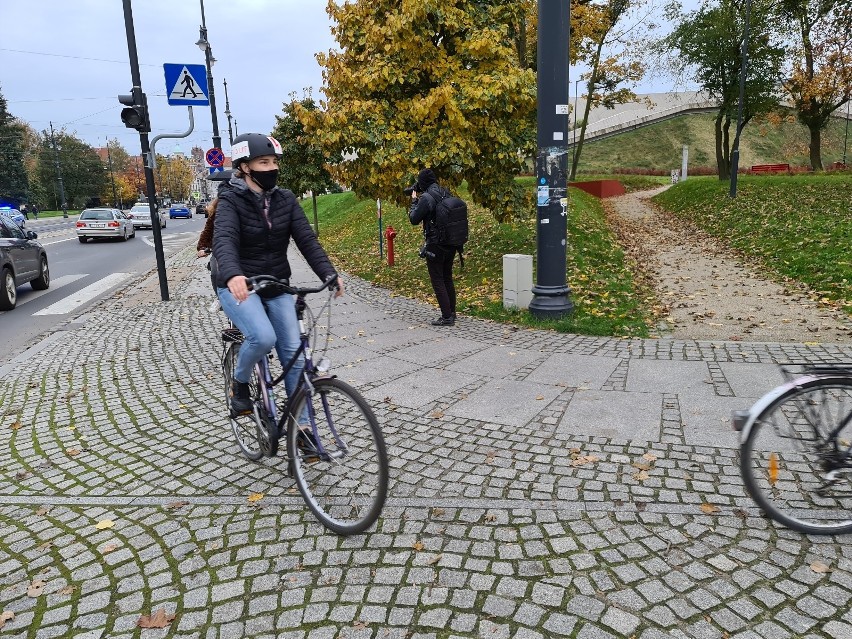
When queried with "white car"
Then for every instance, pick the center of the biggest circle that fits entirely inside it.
(140, 214)
(104, 222)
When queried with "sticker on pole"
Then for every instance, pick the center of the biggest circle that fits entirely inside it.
(186, 84)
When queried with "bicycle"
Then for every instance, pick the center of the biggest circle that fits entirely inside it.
(796, 449)
(337, 455)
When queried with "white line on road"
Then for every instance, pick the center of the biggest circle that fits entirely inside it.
(59, 282)
(67, 239)
(84, 295)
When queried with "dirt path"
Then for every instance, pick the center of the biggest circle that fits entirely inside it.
(708, 294)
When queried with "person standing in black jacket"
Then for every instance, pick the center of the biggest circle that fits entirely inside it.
(255, 220)
(439, 259)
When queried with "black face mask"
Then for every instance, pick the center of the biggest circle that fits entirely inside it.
(265, 179)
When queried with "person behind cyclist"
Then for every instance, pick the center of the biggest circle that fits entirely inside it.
(254, 222)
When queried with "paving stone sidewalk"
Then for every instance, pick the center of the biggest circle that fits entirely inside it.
(515, 509)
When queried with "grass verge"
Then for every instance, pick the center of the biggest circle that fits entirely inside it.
(604, 293)
(797, 227)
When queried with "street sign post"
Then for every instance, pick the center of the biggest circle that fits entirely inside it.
(215, 160)
(186, 85)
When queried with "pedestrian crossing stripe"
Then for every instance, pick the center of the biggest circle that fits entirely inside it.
(188, 88)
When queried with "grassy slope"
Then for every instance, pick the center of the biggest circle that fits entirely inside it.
(603, 290)
(797, 227)
(659, 146)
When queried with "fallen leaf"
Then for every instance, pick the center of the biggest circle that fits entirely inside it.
(490, 517)
(437, 415)
(539, 397)
(72, 452)
(109, 548)
(67, 590)
(181, 405)
(255, 497)
(773, 468)
(418, 546)
(489, 456)
(15, 425)
(820, 567)
(104, 524)
(43, 510)
(641, 466)
(158, 619)
(585, 459)
(709, 509)
(437, 512)
(6, 615)
(36, 588)
(435, 559)
(176, 504)
(641, 476)
(649, 456)
(45, 545)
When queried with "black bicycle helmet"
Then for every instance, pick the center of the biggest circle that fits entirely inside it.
(248, 146)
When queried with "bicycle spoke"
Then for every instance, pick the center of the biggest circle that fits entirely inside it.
(344, 476)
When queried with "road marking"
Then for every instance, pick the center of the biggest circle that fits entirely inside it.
(172, 241)
(67, 239)
(84, 295)
(59, 282)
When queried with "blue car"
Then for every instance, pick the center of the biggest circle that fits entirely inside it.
(16, 216)
(179, 210)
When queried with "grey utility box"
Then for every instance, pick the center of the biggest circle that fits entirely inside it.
(517, 281)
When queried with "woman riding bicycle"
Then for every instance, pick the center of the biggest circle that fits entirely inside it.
(255, 220)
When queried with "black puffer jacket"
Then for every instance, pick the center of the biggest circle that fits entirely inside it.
(244, 244)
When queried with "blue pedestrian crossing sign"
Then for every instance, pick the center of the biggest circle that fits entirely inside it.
(186, 84)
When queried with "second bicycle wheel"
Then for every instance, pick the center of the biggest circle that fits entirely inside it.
(247, 429)
(795, 461)
(345, 484)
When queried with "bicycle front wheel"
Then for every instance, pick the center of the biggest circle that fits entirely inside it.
(795, 459)
(345, 481)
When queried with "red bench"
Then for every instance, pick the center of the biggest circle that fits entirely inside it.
(770, 168)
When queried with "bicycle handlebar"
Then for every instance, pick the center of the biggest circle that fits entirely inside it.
(260, 282)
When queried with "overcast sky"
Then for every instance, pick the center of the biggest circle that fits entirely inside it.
(66, 62)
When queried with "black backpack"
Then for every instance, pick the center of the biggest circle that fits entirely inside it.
(450, 220)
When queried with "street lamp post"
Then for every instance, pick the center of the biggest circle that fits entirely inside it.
(846, 136)
(112, 177)
(574, 146)
(551, 294)
(735, 154)
(204, 45)
(228, 113)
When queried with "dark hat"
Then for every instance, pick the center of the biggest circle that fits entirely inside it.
(425, 179)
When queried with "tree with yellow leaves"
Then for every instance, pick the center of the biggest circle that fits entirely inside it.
(820, 80)
(445, 84)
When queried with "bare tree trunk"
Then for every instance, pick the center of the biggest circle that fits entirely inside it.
(816, 148)
(589, 92)
(316, 220)
(720, 154)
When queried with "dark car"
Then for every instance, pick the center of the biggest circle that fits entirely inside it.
(179, 210)
(22, 260)
(201, 209)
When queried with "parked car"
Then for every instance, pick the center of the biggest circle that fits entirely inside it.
(104, 223)
(140, 215)
(14, 214)
(179, 210)
(201, 209)
(22, 260)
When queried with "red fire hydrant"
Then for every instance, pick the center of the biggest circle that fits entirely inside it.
(390, 233)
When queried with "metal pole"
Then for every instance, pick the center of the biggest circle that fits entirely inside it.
(228, 113)
(208, 55)
(574, 146)
(59, 174)
(236, 128)
(551, 294)
(112, 176)
(846, 136)
(146, 153)
(735, 155)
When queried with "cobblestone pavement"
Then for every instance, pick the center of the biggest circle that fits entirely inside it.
(516, 507)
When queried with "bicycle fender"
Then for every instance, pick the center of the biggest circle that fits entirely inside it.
(764, 402)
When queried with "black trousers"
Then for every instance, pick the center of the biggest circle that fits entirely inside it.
(441, 276)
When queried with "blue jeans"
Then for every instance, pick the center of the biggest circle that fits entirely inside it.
(265, 323)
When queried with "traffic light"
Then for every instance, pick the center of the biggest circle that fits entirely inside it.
(135, 115)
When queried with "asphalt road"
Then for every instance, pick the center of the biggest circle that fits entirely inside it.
(80, 275)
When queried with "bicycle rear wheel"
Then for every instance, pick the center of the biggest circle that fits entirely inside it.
(248, 430)
(795, 459)
(346, 484)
